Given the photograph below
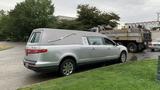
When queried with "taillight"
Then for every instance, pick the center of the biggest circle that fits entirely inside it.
(35, 51)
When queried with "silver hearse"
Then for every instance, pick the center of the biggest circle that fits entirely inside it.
(63, 50)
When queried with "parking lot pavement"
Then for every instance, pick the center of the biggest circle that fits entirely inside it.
(12, 72)
(147, 54)
(14, 75)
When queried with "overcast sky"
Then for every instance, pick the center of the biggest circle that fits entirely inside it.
(129, 10)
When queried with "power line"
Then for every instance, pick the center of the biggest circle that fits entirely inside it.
(158, 18)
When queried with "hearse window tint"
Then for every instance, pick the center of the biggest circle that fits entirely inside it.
(35, 37)
(108, 42)
(95, 40)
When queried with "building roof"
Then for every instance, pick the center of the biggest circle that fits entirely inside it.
(65, 18)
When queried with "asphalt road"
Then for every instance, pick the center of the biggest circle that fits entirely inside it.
(147, 54)
(14, 75)
(12, 72)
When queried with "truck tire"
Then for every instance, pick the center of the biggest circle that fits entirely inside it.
(152, 50)
(140, 47)
(132, 47)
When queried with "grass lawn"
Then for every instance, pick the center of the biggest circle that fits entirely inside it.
(4, 47)
(140, 75)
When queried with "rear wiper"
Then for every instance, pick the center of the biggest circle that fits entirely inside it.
(49, 41)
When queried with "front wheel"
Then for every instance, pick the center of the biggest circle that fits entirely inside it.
(123, 57)
(67, 67)
(152, 50)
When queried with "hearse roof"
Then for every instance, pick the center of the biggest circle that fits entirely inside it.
(83, 33)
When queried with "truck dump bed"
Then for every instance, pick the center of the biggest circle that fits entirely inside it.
(138, 35)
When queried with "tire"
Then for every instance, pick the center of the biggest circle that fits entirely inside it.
(123, 57)
(152, 50)
(140, 47)
(67, 67)
(132, 47)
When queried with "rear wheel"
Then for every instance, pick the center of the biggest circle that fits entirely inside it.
(140, 47)
(152, 50)
(67, 67)
(132, 47)
(123, 57)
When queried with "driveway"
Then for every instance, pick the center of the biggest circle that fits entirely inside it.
(14, 75)
(12, 72)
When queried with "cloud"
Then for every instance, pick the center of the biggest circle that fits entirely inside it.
(8, 4)
(132, 10)
(68, 7)
(129, 10)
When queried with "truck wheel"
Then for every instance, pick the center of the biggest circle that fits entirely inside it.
(67, 67)
(152, 50)
(140, 47)
(132, 47)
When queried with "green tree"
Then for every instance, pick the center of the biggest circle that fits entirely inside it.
(70, 24)
(2, 13)
(3, 24)
(29, 15)
(91, 17)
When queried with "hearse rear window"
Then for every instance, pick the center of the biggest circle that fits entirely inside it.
(35, 37)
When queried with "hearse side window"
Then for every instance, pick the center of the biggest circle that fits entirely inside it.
(108, 42)
(35, 37)
(95, 40)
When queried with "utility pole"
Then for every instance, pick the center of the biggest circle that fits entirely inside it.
(158, 18)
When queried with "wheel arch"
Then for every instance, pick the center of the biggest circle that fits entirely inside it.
(68, 56)
(124, 51)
